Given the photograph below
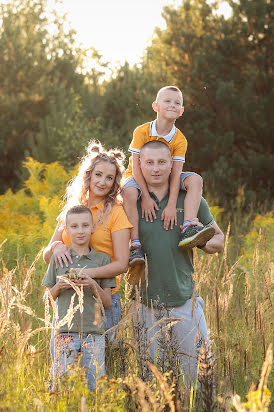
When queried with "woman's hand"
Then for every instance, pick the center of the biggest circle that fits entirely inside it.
(61, 254)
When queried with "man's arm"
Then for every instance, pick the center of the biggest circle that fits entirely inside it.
(216, 243)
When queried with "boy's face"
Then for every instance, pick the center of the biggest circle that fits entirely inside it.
(79, 227)
(169, 105)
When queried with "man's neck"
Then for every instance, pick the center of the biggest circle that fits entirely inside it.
(164, 126)
(159, 191)
(80, 250)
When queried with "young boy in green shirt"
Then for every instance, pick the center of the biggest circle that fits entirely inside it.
(83, 332)
(168, 106)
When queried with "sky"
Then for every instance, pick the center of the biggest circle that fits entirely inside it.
(119, 29)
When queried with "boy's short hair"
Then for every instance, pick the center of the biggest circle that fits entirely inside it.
(78, 209)
(155, 144)
(173, 88)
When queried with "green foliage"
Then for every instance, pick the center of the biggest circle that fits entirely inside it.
(28, 217)
(224, 70)
(38, 62)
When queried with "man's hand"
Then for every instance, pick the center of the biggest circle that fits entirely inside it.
(148, 206)
(169, 216)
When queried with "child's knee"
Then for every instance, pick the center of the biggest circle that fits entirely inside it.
(130, 195)
(194, 182)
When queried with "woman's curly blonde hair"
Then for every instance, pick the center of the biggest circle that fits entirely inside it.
(77, 191)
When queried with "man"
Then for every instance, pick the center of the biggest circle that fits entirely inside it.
(170, 269)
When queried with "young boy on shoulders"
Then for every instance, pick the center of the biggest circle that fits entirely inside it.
(85, 332)
(168, 106)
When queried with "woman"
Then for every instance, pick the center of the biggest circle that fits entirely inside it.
(97, 186)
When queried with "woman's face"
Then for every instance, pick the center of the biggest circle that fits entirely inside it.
(101, 180)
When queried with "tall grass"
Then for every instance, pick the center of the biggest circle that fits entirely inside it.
(239, 311)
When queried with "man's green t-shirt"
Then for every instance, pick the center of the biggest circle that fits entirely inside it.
(170, 268)
(82, 322)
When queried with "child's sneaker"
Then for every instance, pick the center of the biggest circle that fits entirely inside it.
(195, 236)
(136, 256)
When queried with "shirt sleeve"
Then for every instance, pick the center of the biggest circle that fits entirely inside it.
(204, 214)
(138, 140)
(180, 149)
(118, 219)
(108, 283)
(66, 238)
(49, 279)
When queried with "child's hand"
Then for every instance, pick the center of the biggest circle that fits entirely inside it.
(85, 280)
(62, 284)
(169, 216)
(148, 206)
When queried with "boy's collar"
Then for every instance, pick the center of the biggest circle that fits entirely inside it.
(168, 137)
(89, 255)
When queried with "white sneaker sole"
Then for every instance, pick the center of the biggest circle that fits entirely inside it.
(198, 239)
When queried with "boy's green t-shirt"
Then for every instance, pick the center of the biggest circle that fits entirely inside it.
(82, 322)
(170, 268)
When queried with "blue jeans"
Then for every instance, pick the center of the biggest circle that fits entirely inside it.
(92, 348)
(113, 314)
(190, 332)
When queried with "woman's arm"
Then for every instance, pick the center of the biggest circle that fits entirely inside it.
(61, 252)
(120, 241)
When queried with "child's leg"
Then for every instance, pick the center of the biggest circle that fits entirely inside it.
(131, 192)
(193, 235)
(93, 350)
(130, 197)
(194, 188)
(67, 347)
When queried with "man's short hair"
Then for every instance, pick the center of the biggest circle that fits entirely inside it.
(78, 209)
(155, 144)
(173, 88)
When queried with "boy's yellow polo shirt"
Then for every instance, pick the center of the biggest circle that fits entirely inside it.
(175, 140)
(101, 239)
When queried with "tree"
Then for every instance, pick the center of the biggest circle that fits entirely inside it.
(36, 64)
(223, 67)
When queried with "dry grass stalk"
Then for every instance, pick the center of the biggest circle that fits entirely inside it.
(257, 399)
(83, 406)
(22, 341)
(142, 394)
(30, 272)
(262, 388)
(206, 377)
(168, 391)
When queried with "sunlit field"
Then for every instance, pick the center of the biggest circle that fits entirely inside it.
(238, 294)
(57, 93)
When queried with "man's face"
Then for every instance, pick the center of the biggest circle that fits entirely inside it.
(156, 166)
(79, 227)
(169, 105)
